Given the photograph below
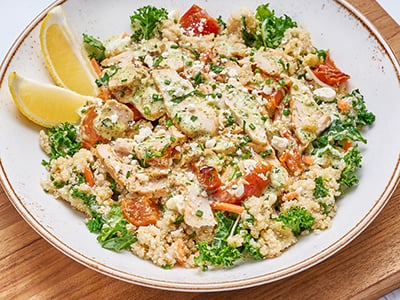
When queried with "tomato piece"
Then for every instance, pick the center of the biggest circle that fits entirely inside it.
(292, 161)
(328, 73)
(140, 211)
(209, 179)
(274, 99)
(256, 181)
(197, 21)
(88, 133)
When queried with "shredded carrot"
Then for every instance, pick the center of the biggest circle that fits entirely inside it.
(347, 145)
(343, 105)
(96, 67)
(104, 94)
(180, 251)
(88, 175)
(229, 207)
(290, 196)
(308, 160)
(124, 35)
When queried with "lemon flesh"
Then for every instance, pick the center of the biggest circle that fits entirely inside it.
(46, 104)
(64, 55)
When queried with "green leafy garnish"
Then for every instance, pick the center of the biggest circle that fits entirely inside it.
(298, 219)
(353, 162)
(96, 222)
(63, 141)
(114, 235)
(221, 22)
(359, 113)
(145, 22)
(320, 190)
(103, 80)
(219, 253)
(94, 47)
(270, 29)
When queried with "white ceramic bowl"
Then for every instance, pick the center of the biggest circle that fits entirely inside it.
(356, 47)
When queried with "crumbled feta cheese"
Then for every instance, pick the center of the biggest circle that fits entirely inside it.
(143, 134)
(238, 190)
(210, 143)
(326, 94)
(176, 203)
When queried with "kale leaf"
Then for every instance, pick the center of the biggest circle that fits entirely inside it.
(94, 47)
(113, 234)
(219, 253)
(320, 190)
(298, 219)
(63, 141)
(270, 29)
(359, 114)
(146, 20)
(353, 162)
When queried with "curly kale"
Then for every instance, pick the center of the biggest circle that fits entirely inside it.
(270, 29)
(353, 162)
(63, 141)
(111, 228)
(219, 253)
(146, 20)
(297, 219)
(359, 114)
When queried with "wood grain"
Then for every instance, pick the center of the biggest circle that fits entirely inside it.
(367, 268)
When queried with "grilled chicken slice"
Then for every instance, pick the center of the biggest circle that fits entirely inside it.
(245, 109)
(130, 176)
(187, 107)
(307, 118)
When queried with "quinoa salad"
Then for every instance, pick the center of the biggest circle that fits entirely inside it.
(212, 141)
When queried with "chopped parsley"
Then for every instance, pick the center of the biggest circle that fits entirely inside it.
(63, 141)
(146, 21)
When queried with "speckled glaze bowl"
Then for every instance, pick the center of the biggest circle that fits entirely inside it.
(356, 46)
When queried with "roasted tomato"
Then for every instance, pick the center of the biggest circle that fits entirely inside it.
(328, 73)
(140, 211)
(88, 133)
(209, 179)
(292, 161)
(254, 184)
(197, 21)
(256, 181)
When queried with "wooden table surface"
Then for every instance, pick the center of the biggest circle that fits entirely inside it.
(367, 268)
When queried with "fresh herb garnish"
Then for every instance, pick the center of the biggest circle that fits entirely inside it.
(297, 219)
(94, 47)
(63, 141)
(146, 20)
(269, 30)
(320, 190)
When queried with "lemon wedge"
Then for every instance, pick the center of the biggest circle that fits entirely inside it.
(46, 104)
(65, 56)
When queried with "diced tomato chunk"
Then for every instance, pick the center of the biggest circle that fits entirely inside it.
(328, 73)
(88, 133)
(254, 184)
(209, 179)
(197, 21)
(140, 211)
(256, 181)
